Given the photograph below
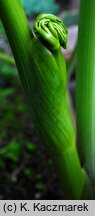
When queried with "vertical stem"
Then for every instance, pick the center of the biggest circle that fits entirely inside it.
(85, 95)
(19, 35)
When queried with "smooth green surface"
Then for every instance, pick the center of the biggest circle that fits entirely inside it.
(86, 86)
(43, 74)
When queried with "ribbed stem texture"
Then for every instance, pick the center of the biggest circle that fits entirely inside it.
(85, 96)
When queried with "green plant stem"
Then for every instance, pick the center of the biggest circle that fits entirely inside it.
(32, 60)
(71, 62)
(7, 59)
(85, 95)
(72, 180)
(19, 35)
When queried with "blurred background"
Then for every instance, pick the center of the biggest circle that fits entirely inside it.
(26, 170)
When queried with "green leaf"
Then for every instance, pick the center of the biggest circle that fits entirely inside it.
(11, 151)
(28, 172)
(8, 71)
(6, 92)
(31, 146)
(40, 186)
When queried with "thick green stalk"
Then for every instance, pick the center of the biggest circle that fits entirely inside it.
(85, 95)
(43, 74)
(19, 35)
